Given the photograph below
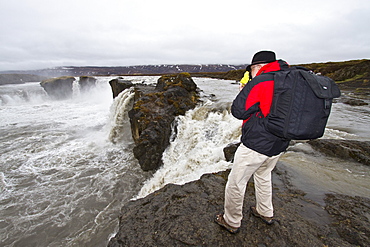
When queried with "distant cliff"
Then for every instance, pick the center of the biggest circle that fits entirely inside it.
(348, 74)
(129, 70)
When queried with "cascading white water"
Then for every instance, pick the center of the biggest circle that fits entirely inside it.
(12, 95)
(120, 122)
(198, 148)
(63, 181)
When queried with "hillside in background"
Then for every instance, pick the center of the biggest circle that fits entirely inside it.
(348, 74)
(351, 74)
(19, 78)
(128, 70)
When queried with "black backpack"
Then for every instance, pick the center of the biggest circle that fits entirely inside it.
(301, 104)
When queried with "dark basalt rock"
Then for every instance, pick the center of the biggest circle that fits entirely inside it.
(119, 85)
(154, 112)
(351, 218)
(183, 216)
(345, 149)
(230, 149)
(354, 102)
(59, 88)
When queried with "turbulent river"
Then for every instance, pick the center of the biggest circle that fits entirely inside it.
(66, 167)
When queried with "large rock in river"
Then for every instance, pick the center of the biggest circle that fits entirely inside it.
(59, 88)
(345, 149)
(154, 112)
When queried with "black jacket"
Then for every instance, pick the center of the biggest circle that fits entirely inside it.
(252, 105)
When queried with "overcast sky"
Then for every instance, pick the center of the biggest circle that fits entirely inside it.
(37, 34)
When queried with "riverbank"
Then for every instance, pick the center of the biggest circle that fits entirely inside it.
(183, 216)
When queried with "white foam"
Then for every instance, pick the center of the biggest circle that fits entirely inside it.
(20, 94)
(2, 182)
(198, 148)
(338, 134)
(119, 122)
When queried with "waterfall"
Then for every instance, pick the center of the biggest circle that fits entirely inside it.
(22, 94)
(119, 120)
(76, 88)
(211, 128)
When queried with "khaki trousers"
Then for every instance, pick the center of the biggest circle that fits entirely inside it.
(247, 163)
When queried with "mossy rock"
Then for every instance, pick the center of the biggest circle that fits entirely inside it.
(58, 79)
(153, 113)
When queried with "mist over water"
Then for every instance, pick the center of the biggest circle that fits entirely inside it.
(66, 167)
(62, 180)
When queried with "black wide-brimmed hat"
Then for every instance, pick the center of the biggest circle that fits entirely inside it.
(262, 57)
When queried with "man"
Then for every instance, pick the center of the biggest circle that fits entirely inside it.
(260, 150)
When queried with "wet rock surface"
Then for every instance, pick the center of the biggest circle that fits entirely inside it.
(230, 149)
(184, 216)
(354, 102)
(119, 85)
(346, 149)
(351, 218)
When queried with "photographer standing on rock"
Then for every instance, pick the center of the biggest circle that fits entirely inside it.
(259, 151)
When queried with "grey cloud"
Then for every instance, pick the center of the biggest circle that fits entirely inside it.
(107, 36)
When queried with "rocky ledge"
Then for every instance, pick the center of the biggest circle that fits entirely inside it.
(153, 114)
(184, 216)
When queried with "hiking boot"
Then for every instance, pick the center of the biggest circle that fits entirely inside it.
(219, 219)
(267, 220)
